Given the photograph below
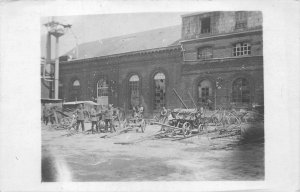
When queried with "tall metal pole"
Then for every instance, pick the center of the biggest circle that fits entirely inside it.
(56, 29)
(56, 68)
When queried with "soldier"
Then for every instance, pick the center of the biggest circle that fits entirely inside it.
(108, 118)
(94, 119)
(44, 114)
(141, 111)
(47, 115)
(80, 117)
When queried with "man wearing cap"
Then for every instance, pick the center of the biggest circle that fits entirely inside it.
(94, 118)
(108, 118)
(80, 117)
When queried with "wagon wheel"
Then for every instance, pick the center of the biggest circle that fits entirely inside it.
(200, 128)
(186, 129)
(143, 126)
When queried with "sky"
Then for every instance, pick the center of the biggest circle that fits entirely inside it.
(87, 28)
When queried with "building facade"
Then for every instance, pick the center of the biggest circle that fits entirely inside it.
(218, 62)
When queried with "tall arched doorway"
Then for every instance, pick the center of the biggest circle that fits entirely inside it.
(159, 90)
(241, 91)
(134, 91)
(75, 90)
(205, 93)
(102, 91)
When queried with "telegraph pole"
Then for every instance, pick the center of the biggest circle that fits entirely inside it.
(57, 30)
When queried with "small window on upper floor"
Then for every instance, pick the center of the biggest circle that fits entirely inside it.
(240, 19)
(204, 53)
(205, 25)
(240, 49)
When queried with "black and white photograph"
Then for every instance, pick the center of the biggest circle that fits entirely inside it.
(180, 102)
(198, 95)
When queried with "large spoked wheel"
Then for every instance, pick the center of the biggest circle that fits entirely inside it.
(186, 129)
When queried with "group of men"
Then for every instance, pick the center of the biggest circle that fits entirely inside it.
(106, 115)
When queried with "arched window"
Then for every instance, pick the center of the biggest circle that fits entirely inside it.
(76, 83)
(102, 88)
(241, 91)
(75, 92)
(134, 91)
(159, 90)
(205, 92)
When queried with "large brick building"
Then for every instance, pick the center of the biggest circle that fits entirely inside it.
(217, 59)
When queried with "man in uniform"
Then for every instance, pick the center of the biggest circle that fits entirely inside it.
(109, 118)
(94, 119)
(47, 115)
(80, 117)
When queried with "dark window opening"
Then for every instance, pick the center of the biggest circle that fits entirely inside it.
(204, 93)
(205, 25)
(240, 19)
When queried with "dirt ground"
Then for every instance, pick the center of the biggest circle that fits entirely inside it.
(87, 157)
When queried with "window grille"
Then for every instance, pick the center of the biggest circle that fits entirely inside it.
(241, 49)
(134, 91)
(102, 88)
(159, 91)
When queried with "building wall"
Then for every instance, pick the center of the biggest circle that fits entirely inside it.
(180, 64)
(223, 67)
(222, 47)
(227, 70)
(221, 22)
(168, 63)
(118, 71)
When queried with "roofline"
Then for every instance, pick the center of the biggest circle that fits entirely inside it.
(128, 53)
(197, 13)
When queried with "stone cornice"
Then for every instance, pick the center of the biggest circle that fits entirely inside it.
(129, 56)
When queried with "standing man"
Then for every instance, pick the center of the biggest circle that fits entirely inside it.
(141, 111)
(109, 118)
(80, 117)
(44, 114)
(94, 119)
